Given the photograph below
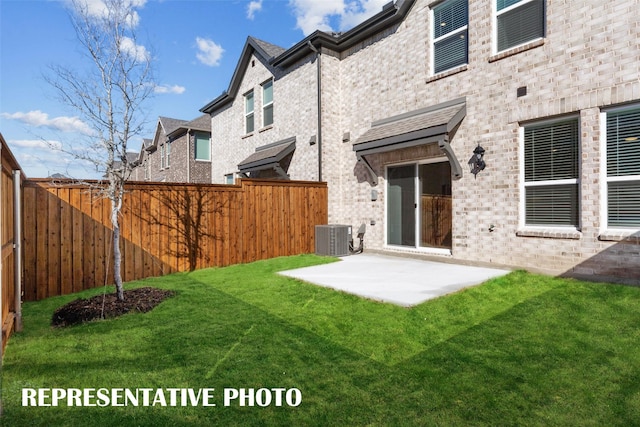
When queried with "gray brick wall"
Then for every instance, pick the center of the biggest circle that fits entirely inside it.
(294, 107)
(589, 60)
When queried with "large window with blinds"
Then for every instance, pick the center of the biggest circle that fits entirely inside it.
(623, 167)
(450, 35)
(519, 22)
(551, 173)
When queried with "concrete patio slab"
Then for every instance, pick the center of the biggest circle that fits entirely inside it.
(402, 281)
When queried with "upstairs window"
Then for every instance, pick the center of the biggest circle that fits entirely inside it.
(202, 146)
(162, 157)
(248, 113)
(450, 35)
(551, 174)
(267, 103)
(623, 168)
(168, 153)
(519, 22)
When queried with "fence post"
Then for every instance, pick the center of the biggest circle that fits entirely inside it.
(17, 248)
(1, 285)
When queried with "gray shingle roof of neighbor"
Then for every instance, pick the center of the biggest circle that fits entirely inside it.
(132, 156)
(169, 125)
(201, 123)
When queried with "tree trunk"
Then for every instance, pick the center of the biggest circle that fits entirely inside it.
(117, 256)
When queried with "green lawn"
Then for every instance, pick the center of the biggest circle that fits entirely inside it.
(519, 350)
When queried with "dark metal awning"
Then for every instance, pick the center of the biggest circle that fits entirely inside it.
(269, 157)
(419, 127)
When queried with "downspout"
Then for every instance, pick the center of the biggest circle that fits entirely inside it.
(189, 155)
(319, 81)
(17, 248)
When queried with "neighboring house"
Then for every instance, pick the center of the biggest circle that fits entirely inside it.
(179, 152)
(132, 160)
(142, 171)
(397, 114)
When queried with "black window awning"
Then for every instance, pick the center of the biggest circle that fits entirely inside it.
(419, 127)
(269, 157)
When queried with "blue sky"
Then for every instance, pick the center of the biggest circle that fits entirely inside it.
(195, 45)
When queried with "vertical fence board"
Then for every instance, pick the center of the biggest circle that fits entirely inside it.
(164, 228)
(88, 245)
(77, 279)
(30, 243)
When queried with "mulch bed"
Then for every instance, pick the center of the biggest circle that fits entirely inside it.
(107, 306)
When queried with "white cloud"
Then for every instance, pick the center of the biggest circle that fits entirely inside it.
(39, 119)
(359, 11)
(314, 15)
(209, 53)
(253, 7)
(175, 89)
(35, 144)
(138, 52)
(99, 8)
(39, 158)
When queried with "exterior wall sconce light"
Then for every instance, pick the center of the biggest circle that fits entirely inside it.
(476, 162)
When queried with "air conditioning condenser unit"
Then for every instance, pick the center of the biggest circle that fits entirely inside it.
(333, 239)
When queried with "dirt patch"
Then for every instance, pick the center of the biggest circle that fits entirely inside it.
(107, 306)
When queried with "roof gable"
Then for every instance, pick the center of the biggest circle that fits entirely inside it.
(264, 50)
(164, 128)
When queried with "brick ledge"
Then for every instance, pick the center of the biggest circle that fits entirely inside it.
(516, 50)
(550, 233)
(620, 236)
(447, 73)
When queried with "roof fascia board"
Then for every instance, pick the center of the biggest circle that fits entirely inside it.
(156, 136)
(396, 143)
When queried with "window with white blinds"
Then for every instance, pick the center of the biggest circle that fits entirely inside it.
(450, 35)
(519, 22)
(623, 168)
(551, 174)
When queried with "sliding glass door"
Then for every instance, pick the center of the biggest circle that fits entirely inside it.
(419, 207)
(401, 206)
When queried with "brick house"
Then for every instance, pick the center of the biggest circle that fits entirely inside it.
(502, 132)
(179, 152)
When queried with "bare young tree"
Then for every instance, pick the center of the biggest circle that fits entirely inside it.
(108, 95)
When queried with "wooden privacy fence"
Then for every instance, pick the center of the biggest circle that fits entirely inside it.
(11, 177)
(165, 228)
